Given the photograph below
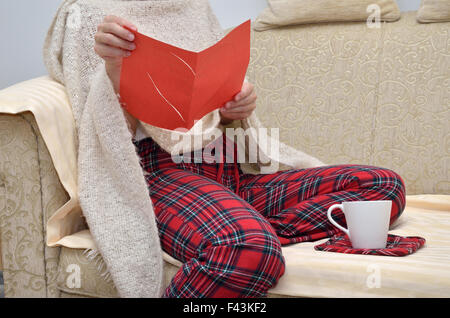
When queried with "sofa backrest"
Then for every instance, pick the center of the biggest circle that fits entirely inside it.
(346, 93)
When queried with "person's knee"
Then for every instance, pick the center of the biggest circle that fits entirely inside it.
(253, 262)
(271, 253)
(383, 184)
(262, 255)
(395, 189)
(400, 184)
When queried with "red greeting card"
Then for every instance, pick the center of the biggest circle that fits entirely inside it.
(169, 87)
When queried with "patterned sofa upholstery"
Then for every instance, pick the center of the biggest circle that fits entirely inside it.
(29, 192)
(342, 92)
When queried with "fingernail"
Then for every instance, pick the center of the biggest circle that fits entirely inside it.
(127, 54)
(130, 36)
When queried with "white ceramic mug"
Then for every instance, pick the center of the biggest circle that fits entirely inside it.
(367, 221)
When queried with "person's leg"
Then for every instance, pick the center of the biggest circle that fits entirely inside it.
(296, 201)
(228, 249)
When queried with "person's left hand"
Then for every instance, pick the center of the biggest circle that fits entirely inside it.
(242, 106)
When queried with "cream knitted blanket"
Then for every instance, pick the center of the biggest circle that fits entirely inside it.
(112, 190)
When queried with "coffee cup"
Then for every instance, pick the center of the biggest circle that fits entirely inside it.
(367, 222)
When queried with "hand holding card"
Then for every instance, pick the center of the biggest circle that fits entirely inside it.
(169, 87)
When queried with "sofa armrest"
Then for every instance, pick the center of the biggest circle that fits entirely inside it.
(1, 262)
(30, 193)
(30, 186)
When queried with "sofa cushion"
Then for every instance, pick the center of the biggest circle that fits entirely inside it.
(434, 11)
(311, 273)
(84, 275)
(79, 275)
(291, 12)
(425, 273)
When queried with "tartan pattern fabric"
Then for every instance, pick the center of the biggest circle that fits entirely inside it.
(227, 227)
(396, 245)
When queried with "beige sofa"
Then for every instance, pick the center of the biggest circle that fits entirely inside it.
(342, 92)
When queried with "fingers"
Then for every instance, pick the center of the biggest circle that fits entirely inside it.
(246, 96)
(116, 30)
(113, 40)
(120, 21)
(243, 109)
(242, 103)
(235, 116)
(247, 89)
(107, 51)
(240, 112)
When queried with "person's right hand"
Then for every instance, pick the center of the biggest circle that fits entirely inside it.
(113, 42)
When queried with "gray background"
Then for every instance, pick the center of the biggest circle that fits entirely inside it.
(24, 24)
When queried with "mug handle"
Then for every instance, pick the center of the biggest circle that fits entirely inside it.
(330, 209)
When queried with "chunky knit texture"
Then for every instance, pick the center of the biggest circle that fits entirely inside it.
(112, 190)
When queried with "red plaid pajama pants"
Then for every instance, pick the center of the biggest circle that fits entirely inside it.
(228, 227)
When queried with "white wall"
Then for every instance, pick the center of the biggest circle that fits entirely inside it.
(234, 12)
(24, 23)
